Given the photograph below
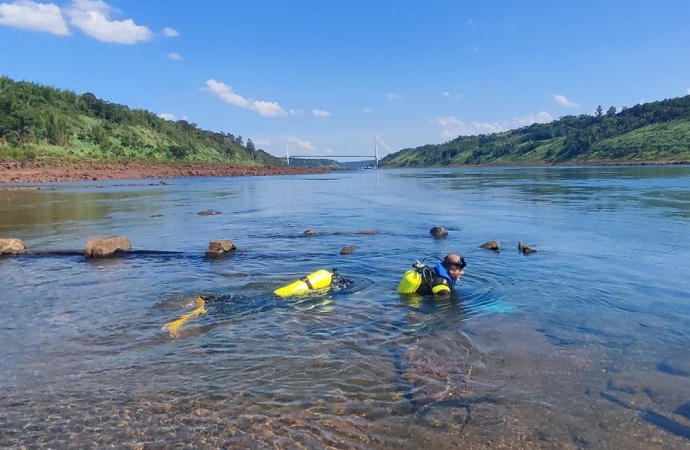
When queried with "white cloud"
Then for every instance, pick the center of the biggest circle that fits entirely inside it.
(392, 96)
(93, 18)
(688, 91)
(320, 113)
(167, 116)
(452, 127)
(300, 143)
(174, 56)
(268, 109)
(448, 94)
(540, 117)
(564, 101)
(225, 93)
(367, 111)
(32, 16)
(296, 112)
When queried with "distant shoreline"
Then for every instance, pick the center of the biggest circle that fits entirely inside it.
(38, 172)
(567, 164)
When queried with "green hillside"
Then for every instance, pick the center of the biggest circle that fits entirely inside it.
(39, 122)
(651, 132)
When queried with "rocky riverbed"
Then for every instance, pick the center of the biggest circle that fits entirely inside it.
(16, 172)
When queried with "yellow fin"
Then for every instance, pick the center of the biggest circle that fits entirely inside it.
(172, 327)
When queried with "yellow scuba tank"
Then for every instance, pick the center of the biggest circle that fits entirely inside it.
(410, 282)
(319, 280)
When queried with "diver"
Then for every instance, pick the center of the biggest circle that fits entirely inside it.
(437, 280)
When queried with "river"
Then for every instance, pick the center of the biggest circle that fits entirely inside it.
(583, 344)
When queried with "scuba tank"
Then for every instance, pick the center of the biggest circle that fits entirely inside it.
(413, 280)
(321, 279)
(420, 280)
(316, 282)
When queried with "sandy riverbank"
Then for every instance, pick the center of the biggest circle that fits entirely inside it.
(37, 172)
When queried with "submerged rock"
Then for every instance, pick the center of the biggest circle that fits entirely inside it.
(348, 250)
(525, 249)
(209, 212)
(309, 232)
(369, 232)
(494, 246)
(220, 247)
(105, 247)
(11, 246)
(438, 232)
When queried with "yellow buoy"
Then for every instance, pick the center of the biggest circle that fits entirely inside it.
(317, 281)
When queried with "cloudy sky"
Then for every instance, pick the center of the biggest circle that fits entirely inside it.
(327, 77)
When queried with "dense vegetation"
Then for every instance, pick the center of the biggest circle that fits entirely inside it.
(38, 121)
(658, 131)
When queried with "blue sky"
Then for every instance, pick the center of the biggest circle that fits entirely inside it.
(327, 77)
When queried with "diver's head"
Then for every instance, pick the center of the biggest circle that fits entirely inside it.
(455, 265)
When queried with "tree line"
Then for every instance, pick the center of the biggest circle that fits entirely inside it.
(37, 120)
(645, 132)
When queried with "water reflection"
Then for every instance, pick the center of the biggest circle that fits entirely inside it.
(36, 208)
(583, 188)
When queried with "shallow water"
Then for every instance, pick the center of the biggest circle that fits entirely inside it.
(580, 345)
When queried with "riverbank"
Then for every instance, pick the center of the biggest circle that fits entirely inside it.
(39, 172)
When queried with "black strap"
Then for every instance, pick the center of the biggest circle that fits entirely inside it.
(307, 281)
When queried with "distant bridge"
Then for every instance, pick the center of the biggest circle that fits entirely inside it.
(376, 158)
(376, 155)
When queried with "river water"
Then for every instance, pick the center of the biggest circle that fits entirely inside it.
(583, 344)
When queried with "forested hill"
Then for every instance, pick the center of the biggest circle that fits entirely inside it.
(658, 131)
(38, 121)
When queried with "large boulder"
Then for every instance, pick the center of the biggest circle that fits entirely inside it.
(347, 250)
(105, 247)
(220, 247)
(11, 246)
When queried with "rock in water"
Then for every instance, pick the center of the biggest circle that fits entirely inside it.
(438, 232)
(525, 249)
(105, 247)
(494, 246)
(11, 246)
(220, 247)
(347, 250)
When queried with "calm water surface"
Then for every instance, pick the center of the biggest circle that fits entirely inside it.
(583, 344)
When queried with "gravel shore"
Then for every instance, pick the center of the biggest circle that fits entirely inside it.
(38, 172)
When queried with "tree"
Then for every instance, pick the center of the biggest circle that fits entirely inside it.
(56, 130)
(599, 111)
(611, 111)
(250, 145)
